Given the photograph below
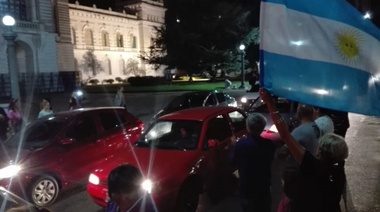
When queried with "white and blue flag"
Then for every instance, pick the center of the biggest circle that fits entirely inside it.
(320, 52)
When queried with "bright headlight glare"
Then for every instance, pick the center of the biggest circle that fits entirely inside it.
(234, 104)
(93, 179)
(243, 100)
(273, 128)
(79, 93)
(147, 185)
(9, 171)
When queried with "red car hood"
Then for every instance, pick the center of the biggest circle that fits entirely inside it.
(155, 164)
(8, 156)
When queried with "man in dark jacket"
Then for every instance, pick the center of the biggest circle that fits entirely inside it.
(253, 157)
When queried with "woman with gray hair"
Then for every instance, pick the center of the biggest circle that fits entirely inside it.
(253, 157)
(322, 178)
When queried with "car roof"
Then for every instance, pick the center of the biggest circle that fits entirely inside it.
(71, 113)
(197, 113)
(201, 92)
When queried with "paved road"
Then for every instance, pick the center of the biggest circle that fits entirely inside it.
(362, 167)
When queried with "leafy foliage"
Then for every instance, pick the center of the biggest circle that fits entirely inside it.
(90, 64)
(200, 34)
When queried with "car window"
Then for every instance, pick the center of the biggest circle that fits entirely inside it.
(283, 106)
(112, 119)
(82, 129)
(238, 121)
(197, 100)
(211, 101)
(172, 135)
(221, 98)
(218, 128)
(178, 103)
(37, 134)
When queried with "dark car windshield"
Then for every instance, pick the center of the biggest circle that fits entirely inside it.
(37, 134)
(172, 134)
(187, 101)
(283, 106)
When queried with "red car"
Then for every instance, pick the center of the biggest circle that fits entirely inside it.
(180, 155)
(63, 148)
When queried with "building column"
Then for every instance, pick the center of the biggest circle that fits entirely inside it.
(10, 37)
(33, 8)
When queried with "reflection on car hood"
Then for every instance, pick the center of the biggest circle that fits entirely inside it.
(8, 156)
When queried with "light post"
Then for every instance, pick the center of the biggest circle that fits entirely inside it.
(10, 36)
(242, 47)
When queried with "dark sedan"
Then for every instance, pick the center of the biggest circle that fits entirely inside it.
(197, 99)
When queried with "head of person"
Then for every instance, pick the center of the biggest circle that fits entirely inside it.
(124, 184)
(185, 131)
(14, 104)
(255, 124)
(332, 148)
(45, 105)
(305, 112)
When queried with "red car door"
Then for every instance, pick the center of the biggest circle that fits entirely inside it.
(81, 148)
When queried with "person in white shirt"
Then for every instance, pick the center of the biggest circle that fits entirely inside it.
(324, 122)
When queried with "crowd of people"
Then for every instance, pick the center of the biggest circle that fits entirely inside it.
(313, 177)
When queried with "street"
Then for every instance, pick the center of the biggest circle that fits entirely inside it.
(362, 166)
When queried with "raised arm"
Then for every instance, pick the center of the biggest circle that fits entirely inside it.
(294, 147)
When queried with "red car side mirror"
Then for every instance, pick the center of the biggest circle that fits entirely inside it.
(212, 143)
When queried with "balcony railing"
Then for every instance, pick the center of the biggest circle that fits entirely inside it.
(27, 25)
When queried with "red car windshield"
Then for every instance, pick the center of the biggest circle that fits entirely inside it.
(37, 134)
(176, 134)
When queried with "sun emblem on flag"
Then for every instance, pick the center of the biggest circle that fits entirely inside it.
(348, 45)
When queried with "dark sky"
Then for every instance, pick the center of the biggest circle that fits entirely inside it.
(375, 7)
(99, 3)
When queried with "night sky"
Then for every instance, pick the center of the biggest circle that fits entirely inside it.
(375, 7)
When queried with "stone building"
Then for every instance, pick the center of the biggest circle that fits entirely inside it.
(37, 42)
(53, 37)
(107, 43)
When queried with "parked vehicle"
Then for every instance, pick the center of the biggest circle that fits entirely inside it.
(197, 99)
(247, 99)
(178, 168)
(63, 148)
(287, 109)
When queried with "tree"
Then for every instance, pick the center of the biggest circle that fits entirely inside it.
(200, 34)
(90, 64)
(132, 67)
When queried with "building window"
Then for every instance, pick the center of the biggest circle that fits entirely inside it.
(73, 36)
(88, 39)
(16, 8)
(105, 38)
(119, 40)
(133, 42)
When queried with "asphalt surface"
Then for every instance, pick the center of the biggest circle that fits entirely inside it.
(362, 166)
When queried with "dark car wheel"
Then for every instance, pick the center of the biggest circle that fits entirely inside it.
(44, 191)
(188, 198)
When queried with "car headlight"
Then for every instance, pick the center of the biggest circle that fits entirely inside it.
(147, 185)
(273, 128)
(243, 100)
(94, 179)
(79, 93)
(9, 171)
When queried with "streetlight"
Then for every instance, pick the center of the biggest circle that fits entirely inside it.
(242, 47)
(367, 15)
(10, 36)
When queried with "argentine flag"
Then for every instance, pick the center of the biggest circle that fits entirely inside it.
(320, 52)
